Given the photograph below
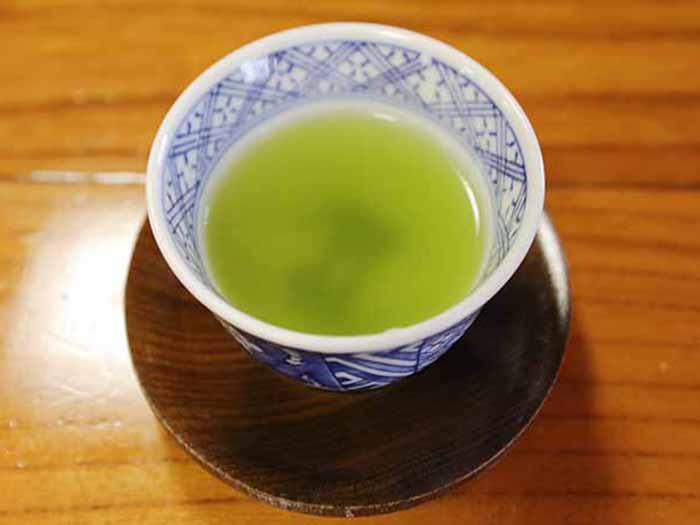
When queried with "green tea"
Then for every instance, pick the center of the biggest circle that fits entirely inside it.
(345, 221)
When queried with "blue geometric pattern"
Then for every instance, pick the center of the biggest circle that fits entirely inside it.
(347, 372)
(261, 88)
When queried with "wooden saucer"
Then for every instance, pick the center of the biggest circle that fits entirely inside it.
(348, 454)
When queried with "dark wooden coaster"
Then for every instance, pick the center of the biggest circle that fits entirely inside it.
(348, 454)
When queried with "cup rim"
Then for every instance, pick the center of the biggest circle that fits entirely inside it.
(394, 337)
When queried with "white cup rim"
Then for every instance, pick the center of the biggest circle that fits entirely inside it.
(395, 337)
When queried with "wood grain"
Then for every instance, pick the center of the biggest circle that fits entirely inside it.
(613, 90)
(348, 455)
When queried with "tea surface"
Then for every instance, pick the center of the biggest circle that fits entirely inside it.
(346, 222)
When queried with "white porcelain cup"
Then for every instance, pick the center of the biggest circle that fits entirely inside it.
(382, 64)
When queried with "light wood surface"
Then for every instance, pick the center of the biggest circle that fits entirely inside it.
(613, 90)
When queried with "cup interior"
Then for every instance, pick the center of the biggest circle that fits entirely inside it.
(336, 62)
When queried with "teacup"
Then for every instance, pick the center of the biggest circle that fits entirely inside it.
(368, 62)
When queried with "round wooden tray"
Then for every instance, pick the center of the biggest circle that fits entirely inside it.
(348, 454)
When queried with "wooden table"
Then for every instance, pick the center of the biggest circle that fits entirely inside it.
(613, 90)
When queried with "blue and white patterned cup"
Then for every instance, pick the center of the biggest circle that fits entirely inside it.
(367, 62)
